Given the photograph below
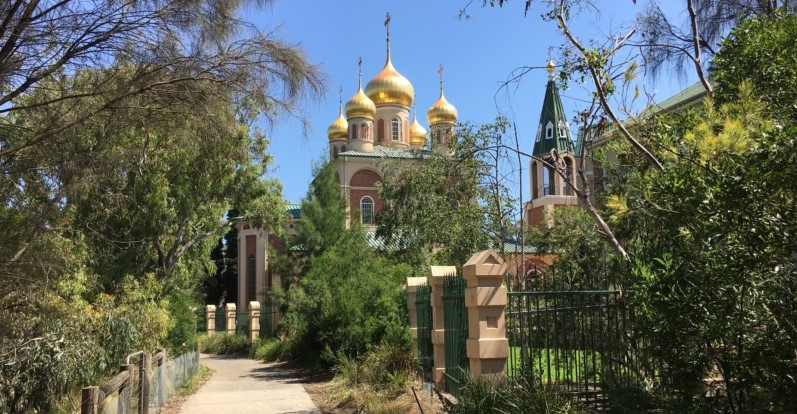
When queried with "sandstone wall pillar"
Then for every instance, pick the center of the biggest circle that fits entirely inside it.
(254, 320)
(412, 308)
(486, 298)
(230, 311)
(210, 319)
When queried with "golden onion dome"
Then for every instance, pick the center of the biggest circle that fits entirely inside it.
(389, 87)
(417, 134)
(339, 129)
(551, 66)
(442, 111)
(360, 106)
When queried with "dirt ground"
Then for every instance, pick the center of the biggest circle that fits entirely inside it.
(326, 397)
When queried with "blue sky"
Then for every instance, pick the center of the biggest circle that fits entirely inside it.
(478, 55)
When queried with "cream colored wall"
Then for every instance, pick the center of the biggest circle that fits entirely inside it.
(364, 144)
(261, 263)
(388, 112)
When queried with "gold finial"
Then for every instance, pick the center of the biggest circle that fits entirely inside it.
(440, 71)
(360, 73)
(387, 30)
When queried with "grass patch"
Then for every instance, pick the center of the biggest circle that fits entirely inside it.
(503, 395)
(225, 344)
(192, 386)
(550, 366)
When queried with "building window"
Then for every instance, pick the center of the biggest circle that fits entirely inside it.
(549, 131)
(395, 127)
(364, 131)
(250, 282)
(334, 152)
(380, 129)
(562, 130)
(353, 131)
(343, 149)
(367, 210)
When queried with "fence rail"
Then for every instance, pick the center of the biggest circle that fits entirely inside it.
(142, 386)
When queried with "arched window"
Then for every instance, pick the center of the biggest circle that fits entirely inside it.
(380, 130)
(395, 127)
(439, 136)
(535, 191)
(367, 210)
(562, 130)
(353, 131)
(343, 149)
(364, 131)
(549, 130)
(335, 151)
(251, 274)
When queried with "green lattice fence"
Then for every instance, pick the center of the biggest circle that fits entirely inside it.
(424, 323)
(455, 317)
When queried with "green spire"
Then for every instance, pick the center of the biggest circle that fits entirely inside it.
(552, 131)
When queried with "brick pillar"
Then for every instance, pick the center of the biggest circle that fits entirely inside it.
(485, 298)
(254, 320)
(436, 276)
(210, 319)
(230, 310)
(412, 308)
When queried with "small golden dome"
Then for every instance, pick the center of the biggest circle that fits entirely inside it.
(390, 87)
(360, 106)
(339, 129)
(441, 111)
(417, 134)
(551, 66)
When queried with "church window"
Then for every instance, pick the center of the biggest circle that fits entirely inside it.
(396, 129)
(334, 152)
(367, 210)
(539, 132)
(380, 129)
(549, 130)
(363, 131)
(439, 137)
(251, 274)
(562, 130)
(353, 131)
(343, 149)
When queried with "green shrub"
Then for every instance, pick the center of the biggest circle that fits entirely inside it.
(181, 335)
(503, 395)
(225, 344)
(273, 349)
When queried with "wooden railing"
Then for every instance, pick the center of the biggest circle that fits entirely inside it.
(131, 382)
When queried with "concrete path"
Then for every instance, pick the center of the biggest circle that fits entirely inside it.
(243, 386)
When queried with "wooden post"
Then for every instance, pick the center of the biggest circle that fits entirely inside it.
(129, 368)
(89, 400)
(145, 384)
(210, 319)
(485, 298)
(412, 308)
(254, 320)
(162, 379)
(436, 276)
(230, 310)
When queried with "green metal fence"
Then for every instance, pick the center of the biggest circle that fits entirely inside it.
(268, 315)
(201, 322)
(242, 322)
(455, 323)
(575, 332)
(221, 319)
(424, 323)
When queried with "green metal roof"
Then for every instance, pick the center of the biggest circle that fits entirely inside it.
(553, 132)
(381, 151)
(295, 210)
(681, 99)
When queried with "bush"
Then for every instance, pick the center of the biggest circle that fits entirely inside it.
(503, 395)
(273, 349)
(225, 344)
(181, 335)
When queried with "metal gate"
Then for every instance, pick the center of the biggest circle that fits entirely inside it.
(573, 332)
(455, 322)
(221, 319)
(268, 319)
(424, 323)
(201, 322)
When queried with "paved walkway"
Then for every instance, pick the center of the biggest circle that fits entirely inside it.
(245, 386)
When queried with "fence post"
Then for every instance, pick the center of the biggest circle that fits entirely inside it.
(412, 308)
(210, 319)
(145, 368)
(485, 298)
(162, 379)
(254, 320)
(89, 400)
(436, 276)
(230, 309)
